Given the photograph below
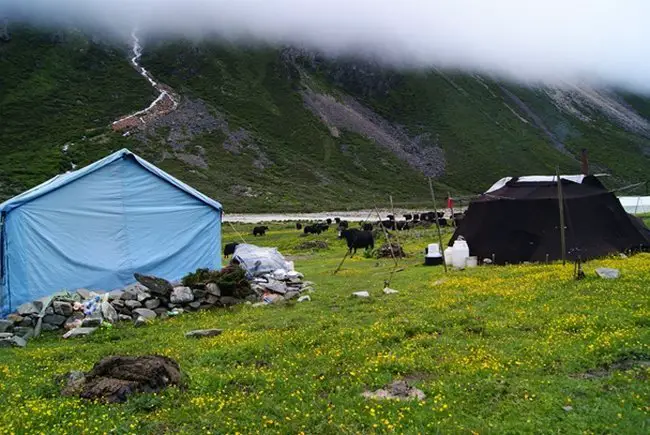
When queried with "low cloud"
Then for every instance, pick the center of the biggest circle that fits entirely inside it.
(553, 41)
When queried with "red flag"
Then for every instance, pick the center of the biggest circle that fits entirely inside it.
(450, 203)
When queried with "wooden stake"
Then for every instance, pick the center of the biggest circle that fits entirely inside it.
(390, 245)
(560, 198)
(433, 197)
(451, 209)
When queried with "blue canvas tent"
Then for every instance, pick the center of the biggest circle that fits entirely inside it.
(95, 227)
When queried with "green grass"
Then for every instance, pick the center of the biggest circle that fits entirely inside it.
(495, 349)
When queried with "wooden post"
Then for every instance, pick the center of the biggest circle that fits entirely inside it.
(392, 210)
(560, 199)
(451, 208)
(390, 244)
(433, 198)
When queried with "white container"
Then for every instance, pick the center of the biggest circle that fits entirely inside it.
(433, 250)
(459, 254)
(449, 256)
(472, 262)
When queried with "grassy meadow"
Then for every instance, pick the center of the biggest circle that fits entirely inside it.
(517, 349)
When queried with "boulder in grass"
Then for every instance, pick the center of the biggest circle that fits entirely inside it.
(608, 273)
(12, 341)
(109, 313)
(79, 332)
(200, 333)
(155, 285)
(362, 294)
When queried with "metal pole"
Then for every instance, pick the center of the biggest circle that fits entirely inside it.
(560, 198)
(433, 197)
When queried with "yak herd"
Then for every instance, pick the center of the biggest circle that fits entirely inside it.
(362, 237)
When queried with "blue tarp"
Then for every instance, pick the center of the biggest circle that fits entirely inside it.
(95, 227)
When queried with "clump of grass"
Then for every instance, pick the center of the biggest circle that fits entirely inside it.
(231, 280)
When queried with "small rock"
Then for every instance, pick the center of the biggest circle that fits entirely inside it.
(6, 335)
(390, 291)
(24, 332)
(143, 296)
(204, 333)
(607, 273)
(115, 295)
(129, 295)
(109, 313)
(13, 341)
(155, 285)
(363, 294)
(85, 294)
(144, 312)
(91, 322)
(194, 305)
(132, 305)
(291, 295)
(79, 332)
(213, 289)
(6, 325)
(568, 408)
(27, 322)
(160, 311)
(54, 319)
(28, 308)
(16, 318)
(198, 293)
(229, 300)
(399, 390)
(212, 299)
(140, 321)
(487, 261)
(118, 303)
(49, 327)
(62, 308)
(124, 318)
(49, 310)
(152, 304)
(181, 295)
(305, 298)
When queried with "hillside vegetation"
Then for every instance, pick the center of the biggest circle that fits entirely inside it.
(267, 129)
(495, 349)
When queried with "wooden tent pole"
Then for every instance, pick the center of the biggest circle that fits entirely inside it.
(433, 197)
(560, 198)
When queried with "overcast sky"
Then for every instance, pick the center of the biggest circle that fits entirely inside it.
(598, 41)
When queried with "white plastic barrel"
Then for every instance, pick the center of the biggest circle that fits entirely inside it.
(459, 254)
(472, 262)
(448, 256)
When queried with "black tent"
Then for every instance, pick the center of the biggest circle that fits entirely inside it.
(520, 221)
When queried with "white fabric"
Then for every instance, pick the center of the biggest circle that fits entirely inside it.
(635, 204)
(535, 179)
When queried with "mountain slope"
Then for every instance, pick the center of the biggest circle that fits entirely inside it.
(261, 128)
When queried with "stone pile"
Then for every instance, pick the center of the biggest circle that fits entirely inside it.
(83, 311)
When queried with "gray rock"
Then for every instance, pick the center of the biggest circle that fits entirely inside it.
(6, 334)
(85, 294)
(49, 327)
(129, 295)
(291, 295)
(568, 408)
(155, 285)
(62, 308)
(198, 293)
(91, 322)
(363, 294)
(27, 322)
(199, 333)
(49, 310)
(115, 295)
(229, 300)
(390, 291)
(13, 341)
(152, 304)
(143, 296)
(54, 319)
(6, 325)
(118, 303)
(160, 311)
(132, 305)
(79, 332)
(28, 308)
(109, 313)
(608, 273)
(305, 298)
(213, 289)
(181, 295)
(195, 305)
(140, 321)
(275, 286)
(16, 318)
(211, 299)
(24, 332)
(144, 312)
(124, 318)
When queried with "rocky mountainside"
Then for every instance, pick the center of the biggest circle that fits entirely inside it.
(265, 128)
